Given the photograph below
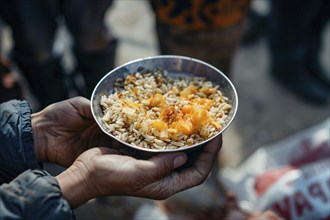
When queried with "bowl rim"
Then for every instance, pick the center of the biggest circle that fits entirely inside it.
(172, 57)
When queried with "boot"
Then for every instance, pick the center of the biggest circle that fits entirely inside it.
(93, 66)
(296, 79)
(46, 80)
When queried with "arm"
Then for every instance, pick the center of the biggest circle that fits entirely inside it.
(105, 172)
(33, 194)
(65, 130)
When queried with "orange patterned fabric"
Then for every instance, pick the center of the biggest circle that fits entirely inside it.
(200, 14)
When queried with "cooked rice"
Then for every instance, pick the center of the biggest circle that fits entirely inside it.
(155, 111)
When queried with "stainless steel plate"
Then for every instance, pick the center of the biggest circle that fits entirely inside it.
(175, 66)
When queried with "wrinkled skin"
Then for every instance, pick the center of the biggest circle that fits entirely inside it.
(105, 172)
(62, 131)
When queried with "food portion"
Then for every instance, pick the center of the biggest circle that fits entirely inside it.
(153, 110)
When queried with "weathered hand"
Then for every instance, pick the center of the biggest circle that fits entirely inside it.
(62, 131)
(106, 172)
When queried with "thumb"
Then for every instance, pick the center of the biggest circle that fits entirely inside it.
(164, 163)
(175, 160)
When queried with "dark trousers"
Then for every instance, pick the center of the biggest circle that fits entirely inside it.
(296, 28)
(34, 26)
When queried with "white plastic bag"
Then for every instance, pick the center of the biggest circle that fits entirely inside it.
(290, 177)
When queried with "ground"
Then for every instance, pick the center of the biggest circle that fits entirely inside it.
(266, 112)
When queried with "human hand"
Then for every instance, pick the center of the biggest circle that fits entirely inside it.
(62, 131)
(106, 172)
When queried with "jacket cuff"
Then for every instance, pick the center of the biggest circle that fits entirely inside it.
(16, 140)
(34, 195)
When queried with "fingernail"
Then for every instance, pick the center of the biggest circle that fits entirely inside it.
(180, 160)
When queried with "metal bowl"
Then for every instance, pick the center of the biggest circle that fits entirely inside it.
(175, 66)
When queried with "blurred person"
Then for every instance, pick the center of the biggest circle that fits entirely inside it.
(9, 86)
(66, 134)
(209, 30)
(34, 25)
(295, 41)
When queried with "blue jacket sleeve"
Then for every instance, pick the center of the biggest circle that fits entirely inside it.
(33, 195)
(16, 140)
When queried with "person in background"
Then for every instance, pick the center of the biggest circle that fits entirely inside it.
(65, 133)
(9, 86)
(34, 26)
(295, 42)
(210, 30)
